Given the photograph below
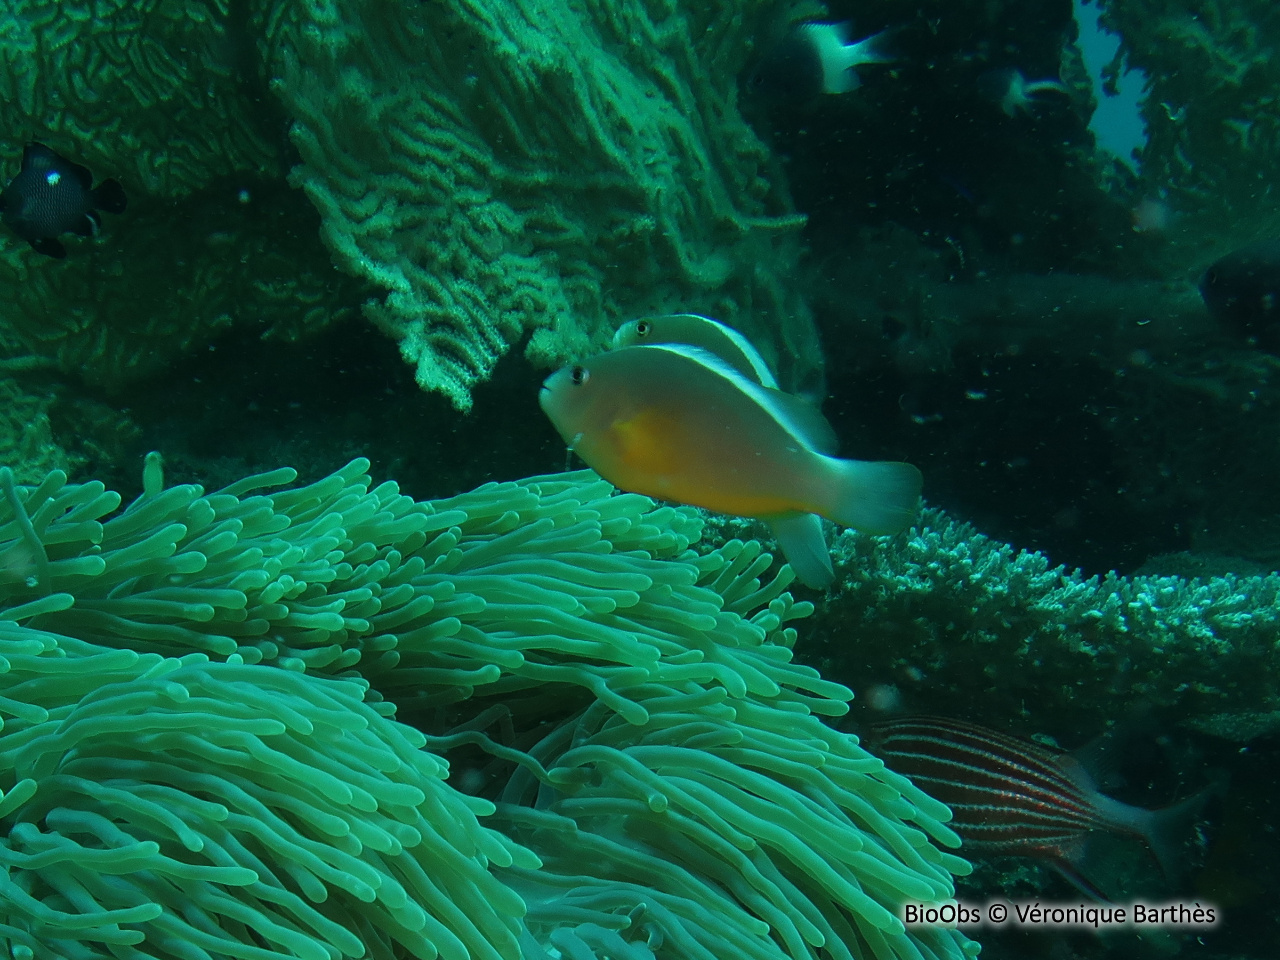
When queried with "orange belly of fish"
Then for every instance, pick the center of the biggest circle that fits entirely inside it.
(719, 497)
(655, 456)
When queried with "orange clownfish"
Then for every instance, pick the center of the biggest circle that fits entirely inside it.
(677, 422)
(694, 330)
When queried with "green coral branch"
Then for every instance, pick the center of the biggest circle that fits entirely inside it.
(949, 615)
(1211, 117)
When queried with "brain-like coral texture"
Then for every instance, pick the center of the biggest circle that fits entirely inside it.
(528, 170)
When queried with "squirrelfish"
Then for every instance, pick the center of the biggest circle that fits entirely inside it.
(1014, 798)
(677, 422)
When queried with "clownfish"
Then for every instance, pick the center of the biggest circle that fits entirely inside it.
(730, 346)
(676, 422)
(698, 331)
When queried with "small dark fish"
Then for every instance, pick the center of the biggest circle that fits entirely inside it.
(811, 59)
(51, 196)
(1014, 798)
(1242, 292)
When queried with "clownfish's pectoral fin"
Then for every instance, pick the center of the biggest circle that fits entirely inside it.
(876, 497)
(805, 547)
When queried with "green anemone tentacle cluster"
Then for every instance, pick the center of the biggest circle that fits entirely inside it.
(612, 754)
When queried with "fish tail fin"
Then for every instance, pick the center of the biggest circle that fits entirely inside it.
(839, 56)
(803, 544)
(1168, 828)
(877, 48)
(875, 497)
(109, 196)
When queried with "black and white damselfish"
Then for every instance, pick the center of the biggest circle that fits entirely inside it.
(51, 196)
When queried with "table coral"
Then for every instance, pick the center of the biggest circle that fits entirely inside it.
(955, 619)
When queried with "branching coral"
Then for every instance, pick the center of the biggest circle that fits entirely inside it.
(629, 703)
(26, 436)
(956, 618)
(1211, 116)
(523, 169)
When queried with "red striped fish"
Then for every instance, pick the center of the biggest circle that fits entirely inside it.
(1013, 798)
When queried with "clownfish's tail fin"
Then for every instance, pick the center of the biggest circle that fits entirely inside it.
(877, 497)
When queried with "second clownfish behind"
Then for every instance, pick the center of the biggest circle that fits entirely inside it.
(678, 423)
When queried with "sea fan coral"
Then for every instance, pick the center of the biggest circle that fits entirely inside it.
(522, 169)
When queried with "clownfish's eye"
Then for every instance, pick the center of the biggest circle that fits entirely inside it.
(578, 376)
(643, 327)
